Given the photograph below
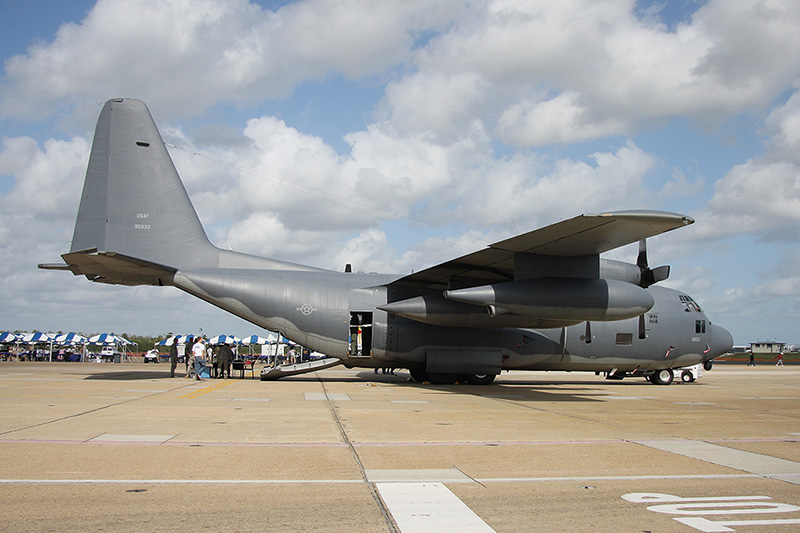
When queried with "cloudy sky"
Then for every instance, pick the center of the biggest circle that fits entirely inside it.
(396, 134)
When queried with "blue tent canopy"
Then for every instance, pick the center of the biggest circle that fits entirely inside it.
(224, 339)
(108, 338)
(180, 338)
(36, 338)
(8, 337)
(69, 338)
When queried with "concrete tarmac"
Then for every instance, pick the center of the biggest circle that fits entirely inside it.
(124, 447)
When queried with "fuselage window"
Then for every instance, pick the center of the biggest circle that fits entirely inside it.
(624, 339)
(700, 326)
(689, 305)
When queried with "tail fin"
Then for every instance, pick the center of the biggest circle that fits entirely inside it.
(135, 222)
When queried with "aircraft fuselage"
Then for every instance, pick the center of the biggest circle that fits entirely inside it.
(324, 311)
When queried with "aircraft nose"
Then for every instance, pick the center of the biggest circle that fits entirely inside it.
(721, 341)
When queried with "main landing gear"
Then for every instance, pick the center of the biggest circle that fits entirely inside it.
(449, 379)
(661, 377)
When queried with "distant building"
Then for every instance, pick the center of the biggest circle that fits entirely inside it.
(767, 347)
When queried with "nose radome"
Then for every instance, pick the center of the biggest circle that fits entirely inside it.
(721, 341)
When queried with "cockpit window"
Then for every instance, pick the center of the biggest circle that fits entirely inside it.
(689, 305)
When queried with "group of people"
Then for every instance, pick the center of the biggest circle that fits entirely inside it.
(197, 357)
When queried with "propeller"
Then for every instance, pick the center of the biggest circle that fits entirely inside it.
(649, 275)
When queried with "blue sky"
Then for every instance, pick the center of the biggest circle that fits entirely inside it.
(394, 135)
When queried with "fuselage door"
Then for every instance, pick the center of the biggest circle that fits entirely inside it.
(360, 337)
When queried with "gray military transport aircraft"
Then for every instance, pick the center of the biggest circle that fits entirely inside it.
(544, 300)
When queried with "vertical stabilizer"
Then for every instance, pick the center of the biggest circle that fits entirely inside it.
(133, 201)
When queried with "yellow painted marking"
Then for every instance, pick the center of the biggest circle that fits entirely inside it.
(206, 390)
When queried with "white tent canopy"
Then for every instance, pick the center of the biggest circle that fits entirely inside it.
(224, 339)
(36, 338)
(109, 338)
(69, 338)
(8, 337)
(180, 338)
(255, 339)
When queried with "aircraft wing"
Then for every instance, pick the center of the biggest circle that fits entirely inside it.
(584, 235)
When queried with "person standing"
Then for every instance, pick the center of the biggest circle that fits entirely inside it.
(187, 353)
(224, 358)
(780, 359)
(173, 357)
(199, 352)
(212, 352)
(752, 359)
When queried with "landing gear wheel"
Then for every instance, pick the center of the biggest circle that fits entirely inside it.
(442, 379)
(686, 376)
(418, 375)
(662, 377)
(708, 365)
(480, 379)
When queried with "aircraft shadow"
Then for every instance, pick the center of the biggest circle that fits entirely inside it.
(519, 391)
(132, 375)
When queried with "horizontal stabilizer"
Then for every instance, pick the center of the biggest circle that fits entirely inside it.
(110, 267)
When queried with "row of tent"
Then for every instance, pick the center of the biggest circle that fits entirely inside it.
(64, 339)
(271, 338)
(67, 339)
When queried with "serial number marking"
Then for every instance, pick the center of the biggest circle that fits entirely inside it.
(141, 226)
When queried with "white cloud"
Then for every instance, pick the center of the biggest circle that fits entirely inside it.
(561, 72)
(680, 186)
(784, 124)
(777, 295)
(183, 56)
(762, 195)
(562, 119)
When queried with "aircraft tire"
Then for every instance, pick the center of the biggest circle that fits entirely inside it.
(480, 379)
(418, 375)
(662, 377)
(686, 376)
(442, 379)
(708, 365)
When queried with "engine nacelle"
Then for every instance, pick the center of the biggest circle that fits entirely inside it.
(434, 309)
(575, 299)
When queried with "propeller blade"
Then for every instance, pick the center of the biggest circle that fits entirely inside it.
(649, 275)
(641, 259)
(660, 273)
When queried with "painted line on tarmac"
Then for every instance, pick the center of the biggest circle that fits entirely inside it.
(755, 463)
(175, 481)
(385, 444)
(55, 481)
(428, 507)
(206, 390)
